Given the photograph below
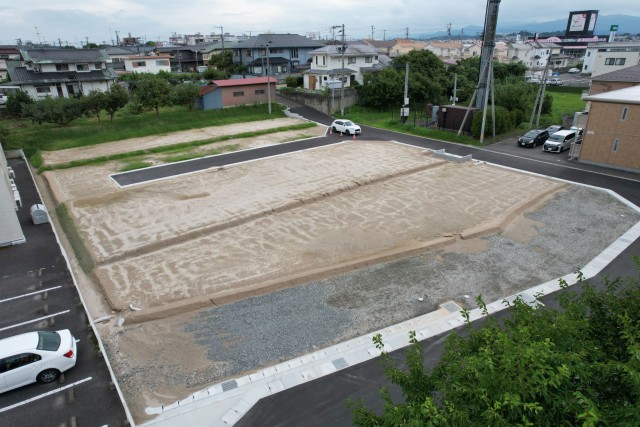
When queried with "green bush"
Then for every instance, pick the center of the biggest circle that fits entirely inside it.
(295, 81)
(16, 102)
(504, 122)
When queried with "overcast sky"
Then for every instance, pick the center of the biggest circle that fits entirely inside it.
(73, 21)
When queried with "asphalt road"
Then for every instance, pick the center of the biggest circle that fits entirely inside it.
(37, 293)
(322, 402)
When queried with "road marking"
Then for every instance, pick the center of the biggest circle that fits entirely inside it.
(49, 393)
(26, 272)
(29, 294)
(34, 320)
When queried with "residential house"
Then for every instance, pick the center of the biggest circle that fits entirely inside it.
(471, 49)
(402, 47)
(327, 66)
(612, 137)
(61, 72)
(535, 54)
(148, 64)
(184, 59)
(7, 53)
(287, 53)
(382, 46)
(451, 51)
(221, 94)
(602, 58)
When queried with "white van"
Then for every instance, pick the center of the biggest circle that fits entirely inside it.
(559, 141)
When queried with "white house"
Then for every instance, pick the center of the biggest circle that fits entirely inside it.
(147, 64)
(602, 58)
(61, 72)
(326, 66)
(534, 54)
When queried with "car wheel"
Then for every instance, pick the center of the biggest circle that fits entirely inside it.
(347, 132)
(334, 129)
(48, 376)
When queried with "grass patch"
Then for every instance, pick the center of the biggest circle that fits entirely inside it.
(175, 148)
(194, 155)
(88, 131)
(390, 121)
(133, 165)
(77, 244)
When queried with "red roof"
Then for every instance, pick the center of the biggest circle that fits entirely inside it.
(242, 82)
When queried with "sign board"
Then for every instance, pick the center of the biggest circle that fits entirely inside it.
(404, 112)
(614, 28)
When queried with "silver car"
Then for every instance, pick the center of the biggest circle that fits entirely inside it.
(559, 141)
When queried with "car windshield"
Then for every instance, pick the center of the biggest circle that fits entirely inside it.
(348, 123)
(532, 133)
(49, 341)
(556, 138)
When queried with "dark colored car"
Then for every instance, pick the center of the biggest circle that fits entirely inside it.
(533, 138)
(554, 128)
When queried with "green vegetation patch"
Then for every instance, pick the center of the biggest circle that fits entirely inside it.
(73, 235)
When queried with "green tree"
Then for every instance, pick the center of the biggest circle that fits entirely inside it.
(61, 111)
(223, 61)
(115, 99)
(16, 103)
(94, 103)
(576, 365)
(185, 95)
(212, 74)
(152, 92)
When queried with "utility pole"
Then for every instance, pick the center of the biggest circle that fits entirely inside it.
(221, 37)
(117, 38)
(38, 33)
(343, 48)
(407, 33)
(404, 111)
(87, 39)
(488, 44)
(372, 28)
(449, 30)
(384, 35)
(268, 78)
(455, 88)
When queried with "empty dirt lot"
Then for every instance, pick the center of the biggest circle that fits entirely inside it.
(227, 270)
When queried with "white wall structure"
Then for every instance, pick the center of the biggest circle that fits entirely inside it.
(602, 58)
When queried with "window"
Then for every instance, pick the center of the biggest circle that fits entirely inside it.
(588, 53)
(375, 57)
(624, 114)
(162, 62)
(82, 67)
(283, 69)
(324, 60)
(620, 61)
(48, 340)
(368, 59)
(97, 66)
(43, 89)
(616, 145)
(238, 94)
(351, 60)
(247, 52)
(137, 64)
(62, 67)
(294, 52)
(316, 60)
(276, 50)
(614, 61)
(259, 92)
(17, 361)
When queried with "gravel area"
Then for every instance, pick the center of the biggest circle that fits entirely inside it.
(566, 233)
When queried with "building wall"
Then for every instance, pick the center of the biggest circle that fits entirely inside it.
(85, 87)
(326, 103)
(600, 86)
(599, 62)
(151, 65)
(249, 95)
(604, 127)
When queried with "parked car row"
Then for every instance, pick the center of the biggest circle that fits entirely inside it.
(554, 139)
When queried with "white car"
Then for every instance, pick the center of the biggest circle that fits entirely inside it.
(573, 70)
(345, 126)
(35, 356)
(3, 98)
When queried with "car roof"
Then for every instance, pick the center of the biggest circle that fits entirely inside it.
(564, 132)
(18, 343)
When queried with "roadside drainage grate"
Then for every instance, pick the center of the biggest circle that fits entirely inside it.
(340, 363)
(451, 307)
(229, 385)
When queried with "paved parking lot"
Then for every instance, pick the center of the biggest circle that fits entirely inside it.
(37, 293)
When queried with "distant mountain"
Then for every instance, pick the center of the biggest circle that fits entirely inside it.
(626, 24)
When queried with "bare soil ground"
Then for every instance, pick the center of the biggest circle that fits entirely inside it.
(180, 258)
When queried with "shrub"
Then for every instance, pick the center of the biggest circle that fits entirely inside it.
(16, 101)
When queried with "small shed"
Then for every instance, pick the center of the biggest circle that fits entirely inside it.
(39, 214)
(451, 117)
(233, 92)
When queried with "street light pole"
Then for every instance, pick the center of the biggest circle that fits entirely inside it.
(268, 79)
(344, 47)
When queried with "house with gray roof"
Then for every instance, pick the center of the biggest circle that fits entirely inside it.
(327, 68)
(61, 72)
(185, 59)
(287, 53)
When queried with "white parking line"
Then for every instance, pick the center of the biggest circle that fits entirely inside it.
(34, 320)
(49, 393)
(29, 294)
